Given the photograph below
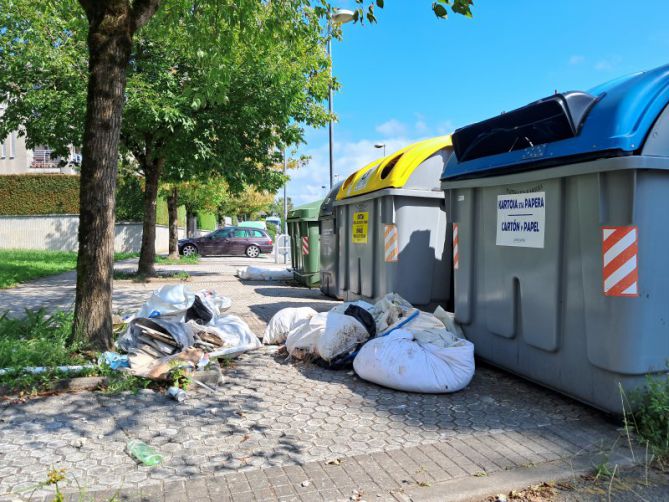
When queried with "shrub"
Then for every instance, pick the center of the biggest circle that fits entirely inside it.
(32, 194)
(651, 418)
(129, 198)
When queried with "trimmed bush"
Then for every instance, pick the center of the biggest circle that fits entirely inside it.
(129, 198)
(206, 221)
(32, 194)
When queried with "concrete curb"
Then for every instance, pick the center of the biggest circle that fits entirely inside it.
(478, 488)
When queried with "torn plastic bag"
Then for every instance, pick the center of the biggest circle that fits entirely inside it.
(302, 340)
(389, 310)
(200, 312)
(401, 362)
(284, 321)
(236, 335)
(168, 301)
(363, 317)
(160, 336)
(342, 334)
(216, 303)
(342, 307)
(263, 274)
(448, 319)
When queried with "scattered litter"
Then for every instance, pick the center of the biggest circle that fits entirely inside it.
(179, 395)
(204, 386)
(334, 461)
(114, 360)
(143, 453)
(79, 443)
(283, 322)
(263, 274)
(306, 483)
(178, 329)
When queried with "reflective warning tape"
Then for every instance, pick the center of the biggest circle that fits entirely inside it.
(620, 250)
(305, 245)
(391, 240)
(456, 256)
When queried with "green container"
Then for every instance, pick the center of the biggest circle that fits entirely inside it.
(303, 228)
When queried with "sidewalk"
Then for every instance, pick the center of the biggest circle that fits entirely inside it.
(283, 431)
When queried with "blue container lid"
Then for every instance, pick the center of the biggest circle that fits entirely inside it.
(612, 119)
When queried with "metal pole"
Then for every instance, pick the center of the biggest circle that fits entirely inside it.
(330, 104)
(285, 199)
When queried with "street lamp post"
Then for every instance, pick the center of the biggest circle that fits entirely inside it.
(340, 16)
(381, 145)
(285, 200)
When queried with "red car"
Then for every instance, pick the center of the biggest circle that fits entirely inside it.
(229, 241)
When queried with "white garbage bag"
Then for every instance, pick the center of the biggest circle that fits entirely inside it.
(401, 362)
(390, 309)
(302, 340)
(263, 274)
(236, 335)
(171, 301)
(285, 321)
(341, 335)
(216, 303)
(341, 308)
(448, 318)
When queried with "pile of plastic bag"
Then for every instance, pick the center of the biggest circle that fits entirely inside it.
(389, 343)
(177, 327)
(263, 274)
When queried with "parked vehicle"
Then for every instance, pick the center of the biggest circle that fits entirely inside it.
(229, 241)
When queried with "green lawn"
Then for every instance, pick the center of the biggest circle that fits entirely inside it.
(21, 265)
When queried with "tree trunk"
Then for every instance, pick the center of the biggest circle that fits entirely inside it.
(147, 255)
(190, 223)
(173, 216)
(111, 25)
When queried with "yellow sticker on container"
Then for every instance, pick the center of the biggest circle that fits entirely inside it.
(360, 225)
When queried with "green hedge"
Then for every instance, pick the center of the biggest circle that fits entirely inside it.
(30, 194)
(206, 221)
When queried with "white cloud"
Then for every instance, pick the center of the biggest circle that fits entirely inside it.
(421, 127)
(306, 182)
(607, 64)
(576, 59)
(445, 127)
(392, 127)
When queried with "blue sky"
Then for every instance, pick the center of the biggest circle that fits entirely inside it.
(412, 76)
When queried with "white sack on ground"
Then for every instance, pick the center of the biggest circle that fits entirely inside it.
(284, 321)
(302, 340)
(236, 335)
(390, 309)
(399, 361)
(341, 308)
(341, 335)
(448, 318)
(263, 274)
(170, 300)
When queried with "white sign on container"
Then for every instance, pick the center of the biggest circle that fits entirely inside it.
(521, 219)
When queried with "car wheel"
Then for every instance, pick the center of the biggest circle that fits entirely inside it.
(189, 250)
(253, 251)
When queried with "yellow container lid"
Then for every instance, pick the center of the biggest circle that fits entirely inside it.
(394, 170)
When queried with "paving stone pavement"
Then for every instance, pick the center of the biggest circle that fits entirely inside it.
(270, 431)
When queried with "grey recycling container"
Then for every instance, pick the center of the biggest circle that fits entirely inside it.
(558, 215)
(329, 246)
(391, 224)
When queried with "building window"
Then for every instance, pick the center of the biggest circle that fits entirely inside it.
(12, 145)
(3, 150)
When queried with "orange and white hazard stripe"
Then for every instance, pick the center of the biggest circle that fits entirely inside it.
(456, 255)
(391, 240)
(620, 250)
(305, 246)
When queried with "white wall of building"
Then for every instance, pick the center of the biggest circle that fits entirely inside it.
(59, 232)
